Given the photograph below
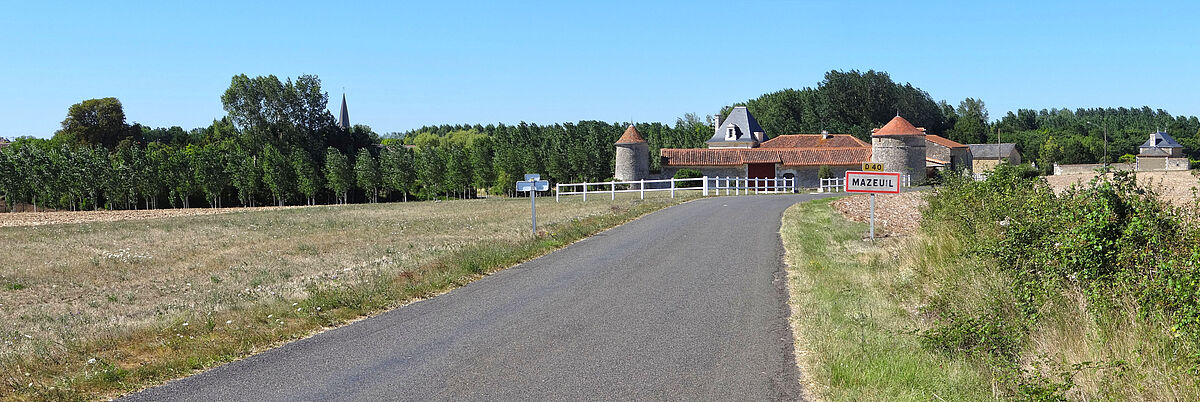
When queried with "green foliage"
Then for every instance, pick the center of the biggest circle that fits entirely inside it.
(308, 179)
(1127, 158)
(367, 175)
(278, 175)
(1111, 239)
(338, 175)
(688, 174)
(99, 122)
(824, 172)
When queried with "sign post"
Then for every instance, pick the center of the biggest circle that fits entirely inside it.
(873, 183)
(532, 184)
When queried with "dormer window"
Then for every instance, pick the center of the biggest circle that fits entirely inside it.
(731, 133)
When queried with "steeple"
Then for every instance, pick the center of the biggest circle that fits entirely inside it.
(344, 119)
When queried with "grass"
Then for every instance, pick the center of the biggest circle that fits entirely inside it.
(854, 316)
(111, 307)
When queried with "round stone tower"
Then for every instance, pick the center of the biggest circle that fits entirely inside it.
(633, 156)
(900, 147)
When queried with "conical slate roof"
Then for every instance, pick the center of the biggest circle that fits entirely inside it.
(631, 136)
(898, 126)
(344, 118)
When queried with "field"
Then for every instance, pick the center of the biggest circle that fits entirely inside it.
(1175, 187)
(107, 297)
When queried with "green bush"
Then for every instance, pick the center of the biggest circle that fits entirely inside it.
(824, 172)
(689, 174)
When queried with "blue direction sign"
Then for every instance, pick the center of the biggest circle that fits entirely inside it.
(533, 185)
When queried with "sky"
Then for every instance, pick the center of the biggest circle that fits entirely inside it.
(403, 65)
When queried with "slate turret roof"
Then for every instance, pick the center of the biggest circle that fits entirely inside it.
(744, 125)
(344, 118)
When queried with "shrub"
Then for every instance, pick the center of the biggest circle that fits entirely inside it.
(824, 172)
(689, 174)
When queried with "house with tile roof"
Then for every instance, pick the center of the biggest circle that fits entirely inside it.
(1161, 152)
(944, 154)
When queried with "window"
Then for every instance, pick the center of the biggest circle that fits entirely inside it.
(731, 133)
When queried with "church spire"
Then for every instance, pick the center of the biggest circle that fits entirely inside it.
(344, 118)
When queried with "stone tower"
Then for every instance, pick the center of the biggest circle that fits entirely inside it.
(633, 156)
(900, 147)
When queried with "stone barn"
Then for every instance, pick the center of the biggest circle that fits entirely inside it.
(985, 157)
(1160, 153)
(944, 154)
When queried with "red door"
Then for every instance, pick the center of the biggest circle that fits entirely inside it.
(761, 171)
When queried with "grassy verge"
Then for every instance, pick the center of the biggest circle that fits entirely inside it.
(852, 315)
(70, 365)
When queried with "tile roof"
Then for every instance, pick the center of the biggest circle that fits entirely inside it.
(631, 136)
(785, 156)
(992, 151)
(943, 141)
(813, 141)
(898, 126)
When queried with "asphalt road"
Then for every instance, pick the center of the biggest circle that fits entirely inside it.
(683, 304)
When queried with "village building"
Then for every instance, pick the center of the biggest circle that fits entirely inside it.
(1161, 152)
(740, 148)
(633, 156)
(985, 157)
(944, 154)
(4, 142)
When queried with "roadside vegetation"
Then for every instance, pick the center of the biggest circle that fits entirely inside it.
(1008, 290)
(96, 309)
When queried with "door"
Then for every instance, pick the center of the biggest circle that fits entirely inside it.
(760, 171)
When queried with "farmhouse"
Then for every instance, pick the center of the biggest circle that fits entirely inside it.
(1160, 153)
(740, 148)
(985, 157)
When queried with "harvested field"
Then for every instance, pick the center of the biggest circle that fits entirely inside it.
(895, 214)
(1175, 187)
(57, 217)
(67, 287)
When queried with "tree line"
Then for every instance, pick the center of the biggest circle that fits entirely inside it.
(280, 145)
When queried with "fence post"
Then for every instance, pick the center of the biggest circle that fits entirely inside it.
(557, 189)
(585, 190)
(613, 189)
(642, 188)
(672, 187)
(706, 186)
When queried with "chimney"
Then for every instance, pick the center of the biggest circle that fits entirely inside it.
(717, 124)
(825, 135)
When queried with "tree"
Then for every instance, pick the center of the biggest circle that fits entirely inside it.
(208, 169)
(396, 165)
(98, 122)
(482, 172)
(337, 173)
(283, 113)
(308, 180)
(972, 124)
(277, 174)
(366, 173)
(245, 174)
(430, 167)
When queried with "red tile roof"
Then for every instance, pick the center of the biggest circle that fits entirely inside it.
(813, 141)
(785, 156)
(943, 141)
(631, 136)
(898, 126)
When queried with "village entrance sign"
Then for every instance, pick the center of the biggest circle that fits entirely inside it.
(873, 183)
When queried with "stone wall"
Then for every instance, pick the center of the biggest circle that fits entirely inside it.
(1150, 163)
(633, 161)
(904, 154)
(1089, 168)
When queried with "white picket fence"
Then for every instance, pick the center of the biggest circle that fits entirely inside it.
(838, 184)
(707, 186)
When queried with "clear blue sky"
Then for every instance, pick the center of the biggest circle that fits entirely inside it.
(408, 64)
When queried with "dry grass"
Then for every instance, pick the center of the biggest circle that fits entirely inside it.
(120, 291)
(30, 218)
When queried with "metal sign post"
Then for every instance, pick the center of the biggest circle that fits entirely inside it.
(873, 183)
(533, 184)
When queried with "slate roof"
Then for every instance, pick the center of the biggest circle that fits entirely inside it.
(785, 156)
(813, 141)
(898, 126)
(743, 122)
(631, 136)
(344, 118)
(992, 151)
(1161, 140)
(943, 141)
(1156, 151)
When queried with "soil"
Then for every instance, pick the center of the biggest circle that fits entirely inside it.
(12, 219)
(895, 214)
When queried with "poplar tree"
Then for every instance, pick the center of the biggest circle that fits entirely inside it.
(277, 174)
(308, 179)
(397, 168)
(366, 172)
(337, 174)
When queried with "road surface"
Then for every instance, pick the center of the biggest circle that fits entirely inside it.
(683, 304)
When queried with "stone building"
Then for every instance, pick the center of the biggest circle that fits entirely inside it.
(1161, 152)
(985, 157)
(944, 154)
(900, 147)
(633, 156)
